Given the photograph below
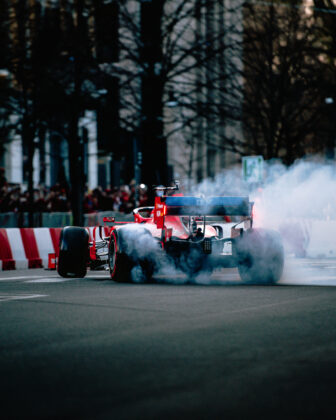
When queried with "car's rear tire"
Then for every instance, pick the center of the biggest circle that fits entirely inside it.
(119, 264)
(126, 268)
(193, 262)
(73, 252)
(259, 255)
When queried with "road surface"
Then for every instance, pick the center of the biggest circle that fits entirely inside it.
(94, 349)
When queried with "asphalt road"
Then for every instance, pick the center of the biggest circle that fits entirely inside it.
(94, 349)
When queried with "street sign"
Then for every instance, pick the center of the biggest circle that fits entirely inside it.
(253, 168)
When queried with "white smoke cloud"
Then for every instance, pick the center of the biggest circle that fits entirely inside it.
(292, 200)
(226, 183)
(138, 242)
(289, 196)
(139, 245)
(307, 189)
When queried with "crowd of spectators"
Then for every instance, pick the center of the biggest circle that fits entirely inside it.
(56, 198)
(123, 199)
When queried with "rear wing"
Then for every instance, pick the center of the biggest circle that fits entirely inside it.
(213, 206)
(196, 206)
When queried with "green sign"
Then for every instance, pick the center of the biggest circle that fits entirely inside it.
(253, 168)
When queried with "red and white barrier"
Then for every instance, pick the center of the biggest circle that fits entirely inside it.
(6, 257)
(30, 247)
(27, 247)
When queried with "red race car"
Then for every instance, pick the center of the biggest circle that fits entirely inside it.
(191, 234)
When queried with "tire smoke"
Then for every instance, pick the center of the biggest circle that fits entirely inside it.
(298, 201)
(142, 247)
(290, 200)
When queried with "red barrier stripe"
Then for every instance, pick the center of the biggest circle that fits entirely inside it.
(55, 234)
(5, 251)
(30, 247)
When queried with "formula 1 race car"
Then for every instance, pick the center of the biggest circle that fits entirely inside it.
(191, 234)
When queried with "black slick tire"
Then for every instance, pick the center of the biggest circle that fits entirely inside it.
(73, 252)
(259, 256)
(125, 267)
(120, 265)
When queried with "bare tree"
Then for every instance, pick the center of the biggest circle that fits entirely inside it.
(324, 13)
(174, 50)
(52, 86)
(282, 102)
(24, 100)
(5, 91)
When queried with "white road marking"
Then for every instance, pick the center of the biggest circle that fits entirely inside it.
(6, 298)
(53, 279)
(323, 277)
(20, 278)
(48, 280)
(311, 281)
(99, 276)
